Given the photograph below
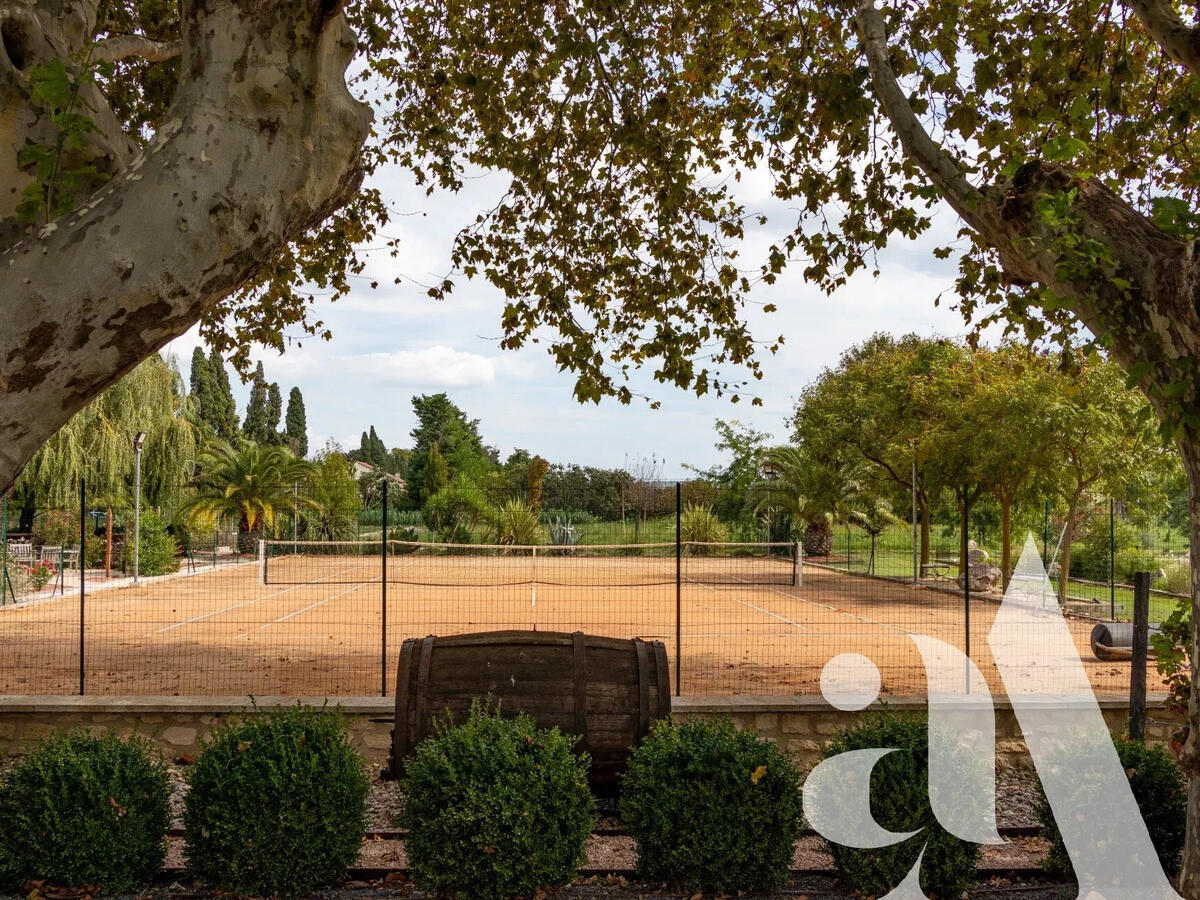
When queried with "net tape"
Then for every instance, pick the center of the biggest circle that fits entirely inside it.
(498, 565)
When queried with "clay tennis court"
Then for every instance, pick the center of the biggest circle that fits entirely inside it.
(315, 626)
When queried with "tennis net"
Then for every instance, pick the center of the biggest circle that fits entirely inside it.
(456, 565)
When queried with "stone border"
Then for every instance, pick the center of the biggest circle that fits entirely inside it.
(801, 725)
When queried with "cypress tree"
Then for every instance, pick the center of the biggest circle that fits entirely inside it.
(222, 415)
(271, 433)
(200, 388)
(296, 423)
(378, 452)
(255, 424)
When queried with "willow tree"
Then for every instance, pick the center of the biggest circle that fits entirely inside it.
(97, 444)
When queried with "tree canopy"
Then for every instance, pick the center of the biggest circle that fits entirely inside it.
(97, 444)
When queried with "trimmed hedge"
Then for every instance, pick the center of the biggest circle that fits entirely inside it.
(277, 804)
(496, 808)
(712, 808)
(83, 810)
(900, 802)
(1160, 791)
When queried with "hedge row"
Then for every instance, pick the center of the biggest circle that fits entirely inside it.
(494, 808)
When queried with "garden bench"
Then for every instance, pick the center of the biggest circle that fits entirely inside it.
(939, 566)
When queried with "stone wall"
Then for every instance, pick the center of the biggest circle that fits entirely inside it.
(178, 725)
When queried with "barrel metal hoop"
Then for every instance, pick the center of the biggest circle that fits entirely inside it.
(579, 671)
(664, 679)
(423, 688)
(400, 742)
(643, 688)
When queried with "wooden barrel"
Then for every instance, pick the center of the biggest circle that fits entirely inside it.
(606, 690)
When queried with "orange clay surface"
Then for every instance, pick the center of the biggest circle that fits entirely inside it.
(316, 628)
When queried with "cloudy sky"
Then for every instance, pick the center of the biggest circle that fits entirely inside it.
(391, 343)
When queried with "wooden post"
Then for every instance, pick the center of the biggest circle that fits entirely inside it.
(1137, 671)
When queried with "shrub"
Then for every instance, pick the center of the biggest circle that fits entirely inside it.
(158, 554)
(700, 524)
(496, 808)
(60, 528)
(712, 808)
(276, 804)
(1090, 557)
(84, 810)
(516, 522)
(1177, 579)
(1160, 791)
(900, 802)
(1130, 561)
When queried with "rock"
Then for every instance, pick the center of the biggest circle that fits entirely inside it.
(984, 577)
(976, 554)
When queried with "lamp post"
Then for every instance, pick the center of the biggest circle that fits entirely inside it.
(138, 443)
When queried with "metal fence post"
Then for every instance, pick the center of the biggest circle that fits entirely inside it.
(82, 591)
(1112, 561)
(383, 601)
(678, 590)
(5, 582)
(966, 577)
(916, 552)
(1137, 671)
(1046, 535)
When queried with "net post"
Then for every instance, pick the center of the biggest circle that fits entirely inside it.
(82, 593)
(262, 561)
(383, 593)
(797, 569)
(678, 590)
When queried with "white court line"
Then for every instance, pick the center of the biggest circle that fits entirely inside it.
(765, 612)
(305, 609)
(217, 612)
(824, 606)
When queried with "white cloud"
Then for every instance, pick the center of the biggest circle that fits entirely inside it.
(438, 366)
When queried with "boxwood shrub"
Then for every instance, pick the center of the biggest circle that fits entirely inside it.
(1160, 791)
(83, 810)
(496, 808)
(711, 808)
(276, 804)
(900, 802)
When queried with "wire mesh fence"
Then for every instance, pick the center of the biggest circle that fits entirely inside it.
(215, 610)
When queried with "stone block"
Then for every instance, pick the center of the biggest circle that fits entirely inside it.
(795, 723)
(179, 736)
(765, 722)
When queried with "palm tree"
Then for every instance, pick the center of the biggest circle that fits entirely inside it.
(813, 491)
(874, 515)
(253, 482)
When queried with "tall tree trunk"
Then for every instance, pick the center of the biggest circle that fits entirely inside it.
(1189, 756)
(818, 538)
(261, 143)
(1006, 539)
(1064, 560)
(923, 511)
